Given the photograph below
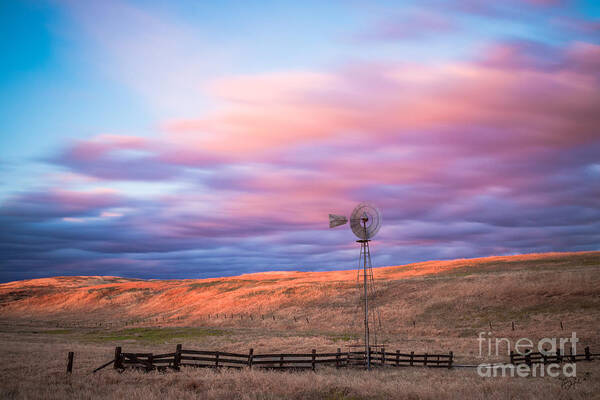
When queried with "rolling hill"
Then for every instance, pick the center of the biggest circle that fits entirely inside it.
(454, 297)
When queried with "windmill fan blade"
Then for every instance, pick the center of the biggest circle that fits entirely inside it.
(336, 220)
(365, 221)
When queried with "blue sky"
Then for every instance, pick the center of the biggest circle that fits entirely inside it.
(196, 139)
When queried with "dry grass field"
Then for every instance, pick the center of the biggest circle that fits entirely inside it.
(435, 306)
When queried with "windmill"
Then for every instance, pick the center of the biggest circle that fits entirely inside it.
(365, 222)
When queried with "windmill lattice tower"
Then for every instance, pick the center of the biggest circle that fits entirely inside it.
(365, 222)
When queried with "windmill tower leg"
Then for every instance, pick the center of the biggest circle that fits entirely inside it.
(364, 247)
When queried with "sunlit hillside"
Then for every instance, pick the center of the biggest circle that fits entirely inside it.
(446, 298)
(431, 307)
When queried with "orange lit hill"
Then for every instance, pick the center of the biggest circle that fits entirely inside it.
(459, 293)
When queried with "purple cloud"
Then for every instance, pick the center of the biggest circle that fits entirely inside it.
(498, 155)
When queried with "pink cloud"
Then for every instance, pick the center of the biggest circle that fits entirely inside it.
(511, 99)
(101, 145)
(388, 102)
(282, 148)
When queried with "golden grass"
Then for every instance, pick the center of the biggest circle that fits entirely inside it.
(38, 373)
(449, 301)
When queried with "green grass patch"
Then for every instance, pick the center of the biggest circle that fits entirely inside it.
(58, 332)
(153, 335)
(344, 337)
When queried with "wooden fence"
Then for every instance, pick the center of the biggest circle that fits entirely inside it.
(308, 361)
(541, 358)
(277, 361)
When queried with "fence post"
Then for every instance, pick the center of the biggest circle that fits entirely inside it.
(397, 357)
(561, 326)
(250, 358)
(451, 360)
(177, 359)
(558, 355)
(383, 356)
(512, 357)
(337, 358)
(151, 361)
(217, 360)
(571, 353)
(425, 360)
(588, 355)
(118, 363)
(513, 325)
(412, 358)
(528, 358)
(70, 362)
(313, 358)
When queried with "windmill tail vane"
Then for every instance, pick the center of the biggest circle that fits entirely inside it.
(337, 220)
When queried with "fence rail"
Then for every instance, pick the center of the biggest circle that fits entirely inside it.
(297, 361)
(220, 359)
(557, 357)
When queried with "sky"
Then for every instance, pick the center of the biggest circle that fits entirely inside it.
(157, 139)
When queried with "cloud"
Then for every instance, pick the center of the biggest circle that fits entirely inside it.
(396, 103)
(57, 203)
(418, 24)
(118, 157)
(491, 156)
